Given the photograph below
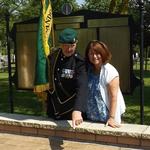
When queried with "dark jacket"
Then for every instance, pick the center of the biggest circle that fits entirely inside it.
(68, 85)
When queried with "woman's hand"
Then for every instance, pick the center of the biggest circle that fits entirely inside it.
(112, 123)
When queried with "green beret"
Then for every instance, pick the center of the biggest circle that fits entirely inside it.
(68, 36)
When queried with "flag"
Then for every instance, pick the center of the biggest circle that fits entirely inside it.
(44, 45)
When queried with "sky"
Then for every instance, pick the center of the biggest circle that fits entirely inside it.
(80, 1)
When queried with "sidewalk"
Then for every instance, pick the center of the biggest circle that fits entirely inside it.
(22, 142)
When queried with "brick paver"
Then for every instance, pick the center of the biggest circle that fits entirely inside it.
(24, 142)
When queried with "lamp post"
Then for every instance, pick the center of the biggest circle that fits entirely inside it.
(10, 93)
(141, 6)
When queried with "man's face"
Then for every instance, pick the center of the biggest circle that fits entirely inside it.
(68, 49)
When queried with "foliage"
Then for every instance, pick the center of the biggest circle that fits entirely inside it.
(111, 6)
(19, 9)
(30, 10)
(123, 8)
(101, 5)
(135, 12)
(13, 10)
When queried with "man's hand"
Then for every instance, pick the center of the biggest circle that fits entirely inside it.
(76, 118)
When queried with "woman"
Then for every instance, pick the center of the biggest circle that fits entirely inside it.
(105, 100)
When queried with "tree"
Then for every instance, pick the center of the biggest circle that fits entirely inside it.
(111, 6)
(30, 10)
(119, 6)
(16, 10)
(101, 5)
(7, 8)
(135, 12)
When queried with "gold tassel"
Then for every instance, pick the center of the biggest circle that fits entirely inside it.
(40, 91)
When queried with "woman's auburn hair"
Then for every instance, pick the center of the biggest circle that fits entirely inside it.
(99, 47)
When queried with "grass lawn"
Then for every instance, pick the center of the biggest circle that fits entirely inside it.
(25, 102)
(132, 114)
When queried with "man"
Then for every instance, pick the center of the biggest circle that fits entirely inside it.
(68, 80)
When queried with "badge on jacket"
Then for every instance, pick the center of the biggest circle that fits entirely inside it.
(67, 73)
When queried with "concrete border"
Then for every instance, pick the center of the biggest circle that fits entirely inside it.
(131, 135)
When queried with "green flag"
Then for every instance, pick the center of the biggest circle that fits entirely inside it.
(43, 49)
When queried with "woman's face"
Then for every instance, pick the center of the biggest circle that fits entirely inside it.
(95, 57)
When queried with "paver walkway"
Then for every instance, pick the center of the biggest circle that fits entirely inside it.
(22, 142)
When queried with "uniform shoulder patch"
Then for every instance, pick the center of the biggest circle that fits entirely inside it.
(54, 52)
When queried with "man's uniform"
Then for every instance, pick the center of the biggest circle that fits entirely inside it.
(68, 85)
